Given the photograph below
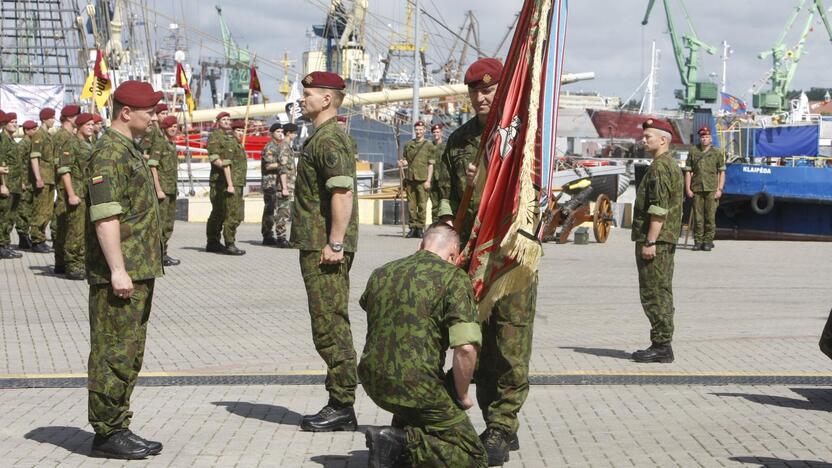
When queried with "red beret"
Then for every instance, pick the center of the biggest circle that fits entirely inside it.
(47, 113)
(223, 114)
(10, 116)
(168, 122)
(484, 72)
(137, 94)
(436, 127)
(658, 125)
(161, 107)
(70, 111)
(83, 118)
(419, 123)
(341, 118)
(319, 79)
(29, 125)
(97, 118)
(3, 119)
(704, 131)
(238, 124)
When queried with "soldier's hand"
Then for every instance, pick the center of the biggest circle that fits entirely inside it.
(122, 284)
(447, 219)
(329, 257)
(285, 193)
(470, 173)
(427, 185)
(74, 200)
(689, 193)
(4, 191)
(160, 195)
(648, 253)
(467, 402)
(717, 194)
(401, 163)
(39, 183)
(230, 189)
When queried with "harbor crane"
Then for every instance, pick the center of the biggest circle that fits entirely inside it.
(686, 51)
(785, 59)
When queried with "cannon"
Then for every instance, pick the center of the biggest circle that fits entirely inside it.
(576, 211)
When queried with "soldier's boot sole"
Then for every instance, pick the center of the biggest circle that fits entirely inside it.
(346, 427)
(102, 454)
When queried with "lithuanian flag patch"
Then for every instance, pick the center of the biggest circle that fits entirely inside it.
(97, 180)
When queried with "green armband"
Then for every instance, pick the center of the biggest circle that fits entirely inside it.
(656, 210)
(342, 182)
(464, 333)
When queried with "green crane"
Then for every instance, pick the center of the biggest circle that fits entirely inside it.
(785, 59)
(692, 91)
(238, 63)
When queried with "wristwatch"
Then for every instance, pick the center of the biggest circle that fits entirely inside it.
(336, 246)
(649, 243)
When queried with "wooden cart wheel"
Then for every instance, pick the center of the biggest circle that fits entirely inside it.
(602, 219)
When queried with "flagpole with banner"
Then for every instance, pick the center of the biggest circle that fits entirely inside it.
(190, 104)
(503, 252)
(253, 82)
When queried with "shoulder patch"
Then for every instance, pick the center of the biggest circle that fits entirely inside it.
(331, 160)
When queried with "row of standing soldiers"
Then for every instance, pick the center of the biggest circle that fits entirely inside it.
(421, 180)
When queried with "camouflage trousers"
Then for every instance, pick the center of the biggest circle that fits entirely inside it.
(23, 214)
(435, 198)
(12, 217)
(43, 203)
(213, 227)
(283, 217)
(277, 214)
(704, 214)
(269, 208)
(118, 328)
(439, 434)
(502, 374)
(417, 201)
(655, 289)
(226, 214)
(327, 292)
(75, 241)
(5, 212)
(167, 215)
(59, 226)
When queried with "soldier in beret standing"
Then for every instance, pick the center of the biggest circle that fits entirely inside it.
(234, 203)
(164, 165)
(325, 230)
(14, 183)
(124, 257)
(42, 180)
(221, 149)
(269, 182)
(418, 156)
(72, 172)
(438, 149)
(704, 179)
(60, 143)
(287, 172)
(657, 221)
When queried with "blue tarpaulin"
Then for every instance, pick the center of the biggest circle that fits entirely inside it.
(776, 142)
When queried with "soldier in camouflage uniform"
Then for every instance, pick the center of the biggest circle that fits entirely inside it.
(72, 172)
(155, 137)
(269, 182)
(61, 141)
(438, 149)
(121, 274)
(8, 160)
(222, 148)
(286, 172)
(418, 157)
(164, 165)
(325, 230)
(15, 181)
(98, 128)
(502, 375)
(234, 203)
(657, 222)
(704, 178)
(42, 179)
(24, 212)
(417, 308)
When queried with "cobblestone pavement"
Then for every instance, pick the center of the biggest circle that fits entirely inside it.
(746, 308)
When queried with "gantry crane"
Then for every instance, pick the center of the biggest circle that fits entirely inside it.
(237, 64)
(785, 59)
(692, 91)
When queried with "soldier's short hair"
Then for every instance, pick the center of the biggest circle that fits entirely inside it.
(440, 234)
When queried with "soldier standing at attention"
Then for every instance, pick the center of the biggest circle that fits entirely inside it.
(502, 375)
(234, 204)
(424, 304)
(61, 141)
(438, 149)
(325, 230)
(155, 137)
(164, 165)
(25, 213)
(286, 172)
(7, 161)
(98, 125)
(704, 178)
(72, 172)
(221, 149)
(15, 183)
(121, 270)
(657, 221)
(418, 157)
(42, 180)
(269, 182)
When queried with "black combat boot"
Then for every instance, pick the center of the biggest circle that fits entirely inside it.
(697, 246)
(386, 446)
(76, 275)
(24, 242)
(214, 247)
(419, 233)
(283, 243)
(514, 443)
(232, 249)
(707, 247)
(710, 244)
(411, 233)
(496, 443)
(6, 253)
(40, 247)
(59, 269)
(269, 241)
(170, 261)
(655, 353)
(120, 445)
(153, 447)
(330, 418)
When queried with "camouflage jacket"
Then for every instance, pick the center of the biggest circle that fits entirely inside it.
(42, 151)
(286, 165)
(704, 167)
(11, 153)
(151, 141)
(221, 145)
(239, 165)
(74, 162)
(120, 184)
(438, 150)
(460, 150)
(326, 163)
(164, 158)
(60, 141)
(417, 307)
(660, 194)
(419, 155)
(24, 149)
(270, 179)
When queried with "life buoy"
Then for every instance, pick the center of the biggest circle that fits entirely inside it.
(762, 203)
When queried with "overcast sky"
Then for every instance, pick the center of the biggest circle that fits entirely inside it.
(604, 36)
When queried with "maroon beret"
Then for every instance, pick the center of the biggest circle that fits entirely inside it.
(47, 113)
(161, 107)
(238, 124)
(419, 123)
(484, 72)
(319, 79)
(223, 114)
(436, 127)
(704, 131)
(137, 94)
(168, 122)
(658, 125)
(83, 118)
(29, 125)
(341, 118)
(3, 119)
(97, 118)
(70, 111)
(10, 116)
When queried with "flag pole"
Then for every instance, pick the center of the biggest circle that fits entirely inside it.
(248, 103)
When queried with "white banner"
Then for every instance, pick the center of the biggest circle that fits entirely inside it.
(28, 100)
